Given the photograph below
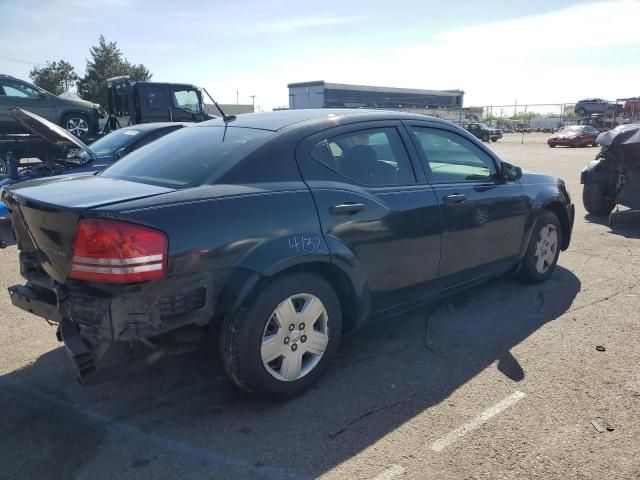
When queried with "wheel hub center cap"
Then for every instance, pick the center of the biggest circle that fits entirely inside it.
(295, 335)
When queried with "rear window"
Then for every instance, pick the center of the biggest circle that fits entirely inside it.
(190, 157)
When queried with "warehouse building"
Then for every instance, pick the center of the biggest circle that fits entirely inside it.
(320, 94)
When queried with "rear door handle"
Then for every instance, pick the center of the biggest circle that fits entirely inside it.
(454, 198)
(346, 208)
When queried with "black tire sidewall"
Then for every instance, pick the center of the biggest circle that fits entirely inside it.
(249, 323)
(528, 271)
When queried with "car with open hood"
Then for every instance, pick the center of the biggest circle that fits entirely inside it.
(71, 155)
(281, 231)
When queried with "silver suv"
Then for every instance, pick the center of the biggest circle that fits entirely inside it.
(74, 114)
(590, 106)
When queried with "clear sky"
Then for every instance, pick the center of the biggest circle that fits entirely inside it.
(542, 51)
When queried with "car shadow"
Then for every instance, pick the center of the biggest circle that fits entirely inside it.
(384, 376)
(625, 223)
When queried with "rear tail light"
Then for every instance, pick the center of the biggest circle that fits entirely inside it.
(118, 252)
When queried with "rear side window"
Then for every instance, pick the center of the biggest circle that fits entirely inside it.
(189, 157)
(373, 157)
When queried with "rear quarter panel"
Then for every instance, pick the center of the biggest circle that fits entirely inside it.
(220, 227)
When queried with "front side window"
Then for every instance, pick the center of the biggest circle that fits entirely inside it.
(373, 157)
(18, 90)
(187, 100)
(452, 158)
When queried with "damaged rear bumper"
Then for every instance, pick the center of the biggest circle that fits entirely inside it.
(90, 320)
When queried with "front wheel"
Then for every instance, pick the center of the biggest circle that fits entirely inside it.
(595, 200)
(77, 124)
(543, 250)
(279, 343)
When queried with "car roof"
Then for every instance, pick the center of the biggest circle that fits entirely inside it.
(149, 127)
(280, 119)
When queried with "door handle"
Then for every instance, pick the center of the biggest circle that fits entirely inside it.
(454, 198)
(346, 208)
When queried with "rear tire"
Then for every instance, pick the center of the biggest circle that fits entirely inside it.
(544, 248)
(580, 112)
(280, 323)
(485, 138)
(595, 200)
(576, 143)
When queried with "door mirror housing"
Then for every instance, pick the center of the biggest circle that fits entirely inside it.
(510, 173)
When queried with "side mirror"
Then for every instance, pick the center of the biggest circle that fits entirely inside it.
(121, 152)
(510, 173)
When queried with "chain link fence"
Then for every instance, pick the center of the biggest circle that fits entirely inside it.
(534, 123)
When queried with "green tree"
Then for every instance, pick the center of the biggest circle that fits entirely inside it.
(55, 77)
(107, 61)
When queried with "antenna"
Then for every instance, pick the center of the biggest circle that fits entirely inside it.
(225, 118)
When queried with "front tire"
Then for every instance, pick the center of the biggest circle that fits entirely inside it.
(544, 248)
(280, 342)
(595, 200)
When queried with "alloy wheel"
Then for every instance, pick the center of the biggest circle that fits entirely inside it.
(295, 337)
(546, 248)
(77, 126)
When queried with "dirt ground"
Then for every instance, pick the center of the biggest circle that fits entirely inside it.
(503, 382)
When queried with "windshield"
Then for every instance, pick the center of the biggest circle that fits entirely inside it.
(187, 100)
(108, 145)
(190, 157)
(574, 129)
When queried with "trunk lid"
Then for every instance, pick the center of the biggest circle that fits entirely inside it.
(45, 213)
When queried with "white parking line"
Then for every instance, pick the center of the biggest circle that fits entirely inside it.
(451, 437)
(393, 471)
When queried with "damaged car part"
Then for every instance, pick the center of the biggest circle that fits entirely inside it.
(613, 178)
